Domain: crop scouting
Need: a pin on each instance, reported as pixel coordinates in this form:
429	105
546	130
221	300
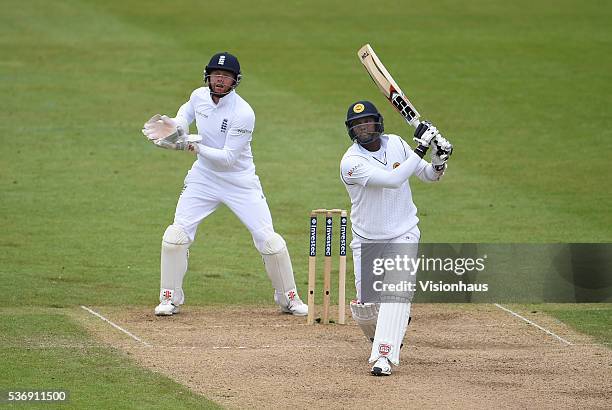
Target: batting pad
366	316
390	330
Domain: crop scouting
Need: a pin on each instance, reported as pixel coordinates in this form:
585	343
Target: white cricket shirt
378	212
226	129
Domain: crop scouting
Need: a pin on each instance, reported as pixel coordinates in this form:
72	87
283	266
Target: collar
383	147
381	154
223	100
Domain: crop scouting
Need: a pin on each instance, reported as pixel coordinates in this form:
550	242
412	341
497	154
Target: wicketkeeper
223	173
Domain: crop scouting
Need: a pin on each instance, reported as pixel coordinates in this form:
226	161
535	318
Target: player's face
364	128
221	81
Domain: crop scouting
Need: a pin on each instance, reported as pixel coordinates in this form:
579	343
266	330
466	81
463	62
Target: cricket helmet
362	109
223	61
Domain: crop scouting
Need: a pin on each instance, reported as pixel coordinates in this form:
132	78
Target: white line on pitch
250	325
534	324
116	326
347	345
261	347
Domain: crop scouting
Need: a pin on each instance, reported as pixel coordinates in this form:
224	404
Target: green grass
592	319
523	91
44	349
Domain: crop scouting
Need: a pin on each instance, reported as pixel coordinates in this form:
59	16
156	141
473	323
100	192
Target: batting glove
423	136
425	133
440	153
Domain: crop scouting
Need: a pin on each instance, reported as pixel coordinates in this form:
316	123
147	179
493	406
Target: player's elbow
230	159
436	176
430	175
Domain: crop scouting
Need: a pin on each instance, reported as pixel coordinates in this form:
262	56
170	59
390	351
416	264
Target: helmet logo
221	60
358	108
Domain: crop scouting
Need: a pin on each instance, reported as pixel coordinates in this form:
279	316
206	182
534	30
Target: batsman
223	173
375	171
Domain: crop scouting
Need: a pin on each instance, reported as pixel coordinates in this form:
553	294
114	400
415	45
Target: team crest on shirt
396	164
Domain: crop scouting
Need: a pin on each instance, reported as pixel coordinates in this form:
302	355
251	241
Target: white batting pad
390	330
366	316
174	252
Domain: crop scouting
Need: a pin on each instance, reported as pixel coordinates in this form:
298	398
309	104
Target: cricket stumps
327	265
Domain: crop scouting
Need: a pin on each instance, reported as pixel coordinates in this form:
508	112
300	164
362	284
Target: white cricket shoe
296	308
166	307
291	304
382	367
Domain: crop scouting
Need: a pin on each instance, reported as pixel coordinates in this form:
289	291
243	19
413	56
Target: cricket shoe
382	367
291	304
166	307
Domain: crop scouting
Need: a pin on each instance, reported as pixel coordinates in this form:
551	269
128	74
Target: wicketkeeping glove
165	133
159	127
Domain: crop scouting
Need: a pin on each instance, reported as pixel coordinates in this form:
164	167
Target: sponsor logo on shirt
201	114
244	131
352	170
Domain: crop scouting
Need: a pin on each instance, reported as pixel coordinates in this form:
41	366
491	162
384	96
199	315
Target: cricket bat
387	85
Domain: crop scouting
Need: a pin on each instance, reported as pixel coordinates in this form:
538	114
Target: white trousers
205	190
411	236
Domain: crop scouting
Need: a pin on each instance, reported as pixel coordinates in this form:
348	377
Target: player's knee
175	237
272	244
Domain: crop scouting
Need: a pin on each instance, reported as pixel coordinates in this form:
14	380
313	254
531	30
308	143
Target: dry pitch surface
475	356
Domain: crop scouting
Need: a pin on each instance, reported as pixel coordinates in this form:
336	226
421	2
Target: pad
366	315
278	263
393	319
174	253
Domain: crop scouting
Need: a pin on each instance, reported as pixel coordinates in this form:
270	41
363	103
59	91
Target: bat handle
414	122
